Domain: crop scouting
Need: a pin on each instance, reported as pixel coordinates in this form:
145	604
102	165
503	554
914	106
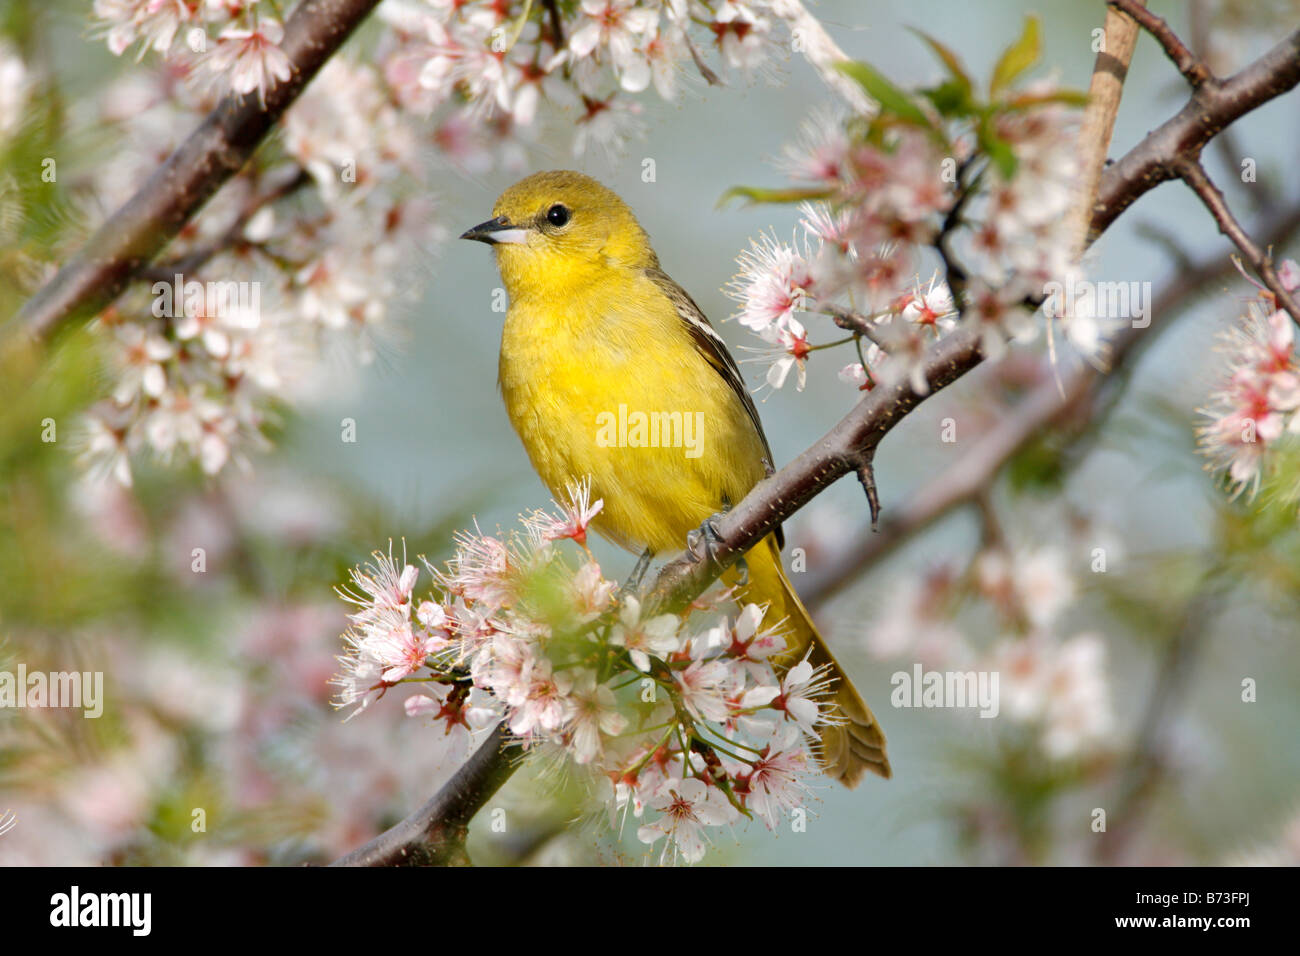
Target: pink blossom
401	651
592	592
251	60
594	712
576	515
774	784
802	688
643	638
773	283
1257	399
687	807
705	686
543	704
155	22
621	27
791	352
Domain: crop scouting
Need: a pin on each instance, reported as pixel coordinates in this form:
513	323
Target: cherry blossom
572	682
687	807
642	638
250	60
1256	401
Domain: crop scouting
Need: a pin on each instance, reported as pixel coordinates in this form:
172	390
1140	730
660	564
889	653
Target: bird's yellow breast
605	381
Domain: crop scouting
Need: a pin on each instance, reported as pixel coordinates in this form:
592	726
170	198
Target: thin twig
955	275
855	322
1189	64
1260	193
557	24
709	76
836	454
233	235
867	478
1194	175
1210	109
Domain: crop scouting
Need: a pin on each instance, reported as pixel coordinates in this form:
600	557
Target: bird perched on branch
596	332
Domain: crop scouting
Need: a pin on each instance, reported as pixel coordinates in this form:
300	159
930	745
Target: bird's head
561	227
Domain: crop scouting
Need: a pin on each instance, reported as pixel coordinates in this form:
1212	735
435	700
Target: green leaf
1025	101
1018	57
999	152
892	100
951	99
956	71
1037	467
756	194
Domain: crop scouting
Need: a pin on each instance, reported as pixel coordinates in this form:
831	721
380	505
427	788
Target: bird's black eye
558	215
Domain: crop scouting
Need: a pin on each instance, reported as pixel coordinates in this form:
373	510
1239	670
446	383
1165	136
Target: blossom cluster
237	716
488	63
1255	403
1056	686
686	729
984	192
299	254
236	42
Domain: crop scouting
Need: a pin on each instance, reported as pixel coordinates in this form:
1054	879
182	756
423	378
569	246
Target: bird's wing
713	349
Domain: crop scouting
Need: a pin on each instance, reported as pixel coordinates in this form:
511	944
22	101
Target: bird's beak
496	231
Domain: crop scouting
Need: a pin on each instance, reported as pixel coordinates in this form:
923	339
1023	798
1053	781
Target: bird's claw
704	541
634	579
742	568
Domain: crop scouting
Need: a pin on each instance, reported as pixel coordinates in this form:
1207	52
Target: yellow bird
599	347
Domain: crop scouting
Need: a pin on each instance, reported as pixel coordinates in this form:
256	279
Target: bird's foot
705	540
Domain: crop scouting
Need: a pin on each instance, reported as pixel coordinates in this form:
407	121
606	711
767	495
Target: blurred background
216	694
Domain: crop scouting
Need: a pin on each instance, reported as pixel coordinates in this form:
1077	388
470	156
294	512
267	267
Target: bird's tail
854	744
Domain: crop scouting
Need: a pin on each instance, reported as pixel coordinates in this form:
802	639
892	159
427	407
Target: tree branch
839	452
1261	192
1188	63
233	236
219	148
557	25
1215	105
1046	404
1194	175
434	835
